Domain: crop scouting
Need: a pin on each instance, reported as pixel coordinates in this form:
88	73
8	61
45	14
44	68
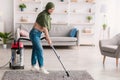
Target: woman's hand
49	41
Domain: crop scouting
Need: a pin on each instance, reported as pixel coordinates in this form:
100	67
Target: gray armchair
110	48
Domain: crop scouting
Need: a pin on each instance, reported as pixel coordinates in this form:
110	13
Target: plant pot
62	0
22	9
89	1
36	9
89	21
104	28
4	46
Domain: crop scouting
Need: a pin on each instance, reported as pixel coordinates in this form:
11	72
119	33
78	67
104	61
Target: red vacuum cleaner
17	54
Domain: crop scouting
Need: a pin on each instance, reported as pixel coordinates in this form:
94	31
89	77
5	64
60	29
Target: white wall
116	28
6	8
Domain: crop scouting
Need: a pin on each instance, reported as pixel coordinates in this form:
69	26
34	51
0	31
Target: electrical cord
5	64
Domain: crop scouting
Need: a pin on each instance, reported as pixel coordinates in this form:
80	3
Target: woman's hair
49	6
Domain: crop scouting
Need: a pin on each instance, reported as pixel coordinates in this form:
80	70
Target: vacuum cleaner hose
5	64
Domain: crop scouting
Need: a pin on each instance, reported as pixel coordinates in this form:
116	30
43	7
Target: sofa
60	36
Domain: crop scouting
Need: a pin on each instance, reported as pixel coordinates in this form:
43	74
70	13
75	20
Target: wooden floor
74	58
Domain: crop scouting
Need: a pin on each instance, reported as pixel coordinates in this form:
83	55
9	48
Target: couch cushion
116	39
61	31
62	39
24	33
109	48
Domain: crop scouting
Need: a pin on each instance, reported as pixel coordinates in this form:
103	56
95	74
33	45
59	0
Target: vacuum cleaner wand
59	60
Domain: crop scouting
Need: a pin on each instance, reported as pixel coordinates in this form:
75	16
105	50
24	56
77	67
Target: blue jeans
37	49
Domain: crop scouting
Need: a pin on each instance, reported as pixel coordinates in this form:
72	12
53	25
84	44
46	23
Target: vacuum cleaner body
17	56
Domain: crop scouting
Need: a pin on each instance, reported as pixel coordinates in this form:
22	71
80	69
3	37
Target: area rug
54	75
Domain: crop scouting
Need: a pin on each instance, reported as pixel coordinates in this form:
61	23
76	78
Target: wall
116	28
6	6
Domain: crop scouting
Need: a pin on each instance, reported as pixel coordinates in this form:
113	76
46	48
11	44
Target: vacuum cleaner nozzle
67	74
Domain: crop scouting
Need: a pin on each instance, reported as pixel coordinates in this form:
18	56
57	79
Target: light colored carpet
54	75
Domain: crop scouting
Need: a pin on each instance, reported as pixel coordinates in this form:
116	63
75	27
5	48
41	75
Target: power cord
1	67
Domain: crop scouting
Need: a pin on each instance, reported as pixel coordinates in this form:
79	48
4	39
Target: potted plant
22	6
5	38
89	1
36	9
89	18
104	26
62	0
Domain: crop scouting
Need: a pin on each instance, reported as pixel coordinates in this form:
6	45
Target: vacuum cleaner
17	54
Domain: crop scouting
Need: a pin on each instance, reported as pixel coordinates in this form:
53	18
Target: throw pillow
73	32
24	33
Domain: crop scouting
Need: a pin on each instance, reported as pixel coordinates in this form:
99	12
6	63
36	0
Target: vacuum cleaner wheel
15	67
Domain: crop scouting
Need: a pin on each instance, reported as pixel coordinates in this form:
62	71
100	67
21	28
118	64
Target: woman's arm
45	30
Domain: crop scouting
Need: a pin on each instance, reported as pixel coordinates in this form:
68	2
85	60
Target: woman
42	24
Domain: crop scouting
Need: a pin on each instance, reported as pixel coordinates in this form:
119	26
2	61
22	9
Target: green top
44	19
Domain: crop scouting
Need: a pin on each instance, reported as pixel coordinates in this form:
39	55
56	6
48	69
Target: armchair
110	48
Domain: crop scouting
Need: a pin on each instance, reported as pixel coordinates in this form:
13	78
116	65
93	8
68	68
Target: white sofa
58	34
